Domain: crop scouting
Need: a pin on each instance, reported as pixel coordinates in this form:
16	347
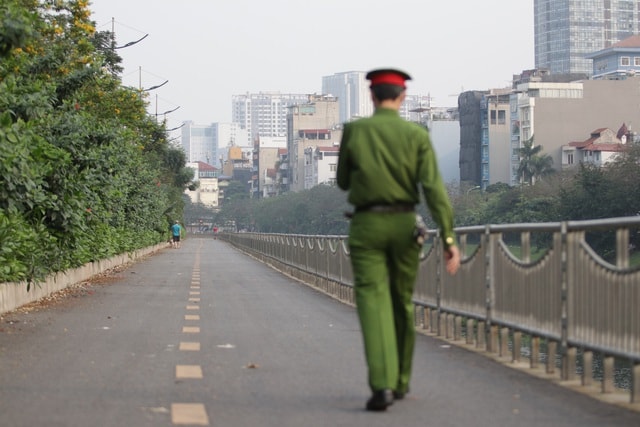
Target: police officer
384	162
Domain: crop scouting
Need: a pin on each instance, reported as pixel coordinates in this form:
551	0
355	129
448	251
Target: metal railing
565	295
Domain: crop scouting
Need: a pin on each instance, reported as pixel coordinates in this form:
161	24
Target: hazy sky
210	50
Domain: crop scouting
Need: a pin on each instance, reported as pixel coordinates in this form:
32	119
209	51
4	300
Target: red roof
633	41
202	166
605	147
592	143
582	144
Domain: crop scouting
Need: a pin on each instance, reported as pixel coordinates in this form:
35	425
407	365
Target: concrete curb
14	295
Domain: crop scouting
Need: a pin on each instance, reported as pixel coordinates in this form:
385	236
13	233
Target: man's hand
452	258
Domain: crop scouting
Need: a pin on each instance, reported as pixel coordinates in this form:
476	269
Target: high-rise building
204	143
264	113
199	142
351	88
568	30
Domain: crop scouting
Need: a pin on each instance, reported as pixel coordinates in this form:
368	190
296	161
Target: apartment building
315	123
264	114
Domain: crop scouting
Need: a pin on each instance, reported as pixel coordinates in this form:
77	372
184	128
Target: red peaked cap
388	76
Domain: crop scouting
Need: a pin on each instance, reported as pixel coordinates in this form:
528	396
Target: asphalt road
204	335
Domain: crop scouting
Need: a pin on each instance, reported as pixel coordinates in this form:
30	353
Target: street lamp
177	127
154	87
113	37
131	43
477	187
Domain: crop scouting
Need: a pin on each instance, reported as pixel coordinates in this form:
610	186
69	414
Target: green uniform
385	160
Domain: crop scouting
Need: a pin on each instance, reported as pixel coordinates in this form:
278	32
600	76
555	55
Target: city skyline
210	52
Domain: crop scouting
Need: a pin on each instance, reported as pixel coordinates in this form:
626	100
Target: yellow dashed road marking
193	307
194	299
189	413
194	293
188	371
191	317
189	346
191	329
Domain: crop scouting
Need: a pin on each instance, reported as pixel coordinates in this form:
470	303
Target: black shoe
399	395
380	400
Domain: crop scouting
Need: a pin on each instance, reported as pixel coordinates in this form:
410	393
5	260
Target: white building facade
208	190
199	142
321	165
264	114
602	147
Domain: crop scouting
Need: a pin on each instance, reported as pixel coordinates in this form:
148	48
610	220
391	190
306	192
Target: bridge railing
520	287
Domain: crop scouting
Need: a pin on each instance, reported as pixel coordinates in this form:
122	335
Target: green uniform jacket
384	159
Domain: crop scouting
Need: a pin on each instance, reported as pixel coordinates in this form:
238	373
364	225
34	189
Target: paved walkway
204	335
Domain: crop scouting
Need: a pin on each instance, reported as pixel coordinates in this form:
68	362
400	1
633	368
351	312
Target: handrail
567	295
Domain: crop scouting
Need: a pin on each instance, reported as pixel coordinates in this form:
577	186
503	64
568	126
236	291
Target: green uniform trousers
385	258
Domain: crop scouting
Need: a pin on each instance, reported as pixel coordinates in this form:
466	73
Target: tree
533	166
85	172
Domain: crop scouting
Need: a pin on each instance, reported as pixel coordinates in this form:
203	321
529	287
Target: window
333	167
625	61
493	117
570	159
636	61
502	117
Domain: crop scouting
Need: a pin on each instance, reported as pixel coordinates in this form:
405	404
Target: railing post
587	368
516	351
622	248
525	245
439	257
470	324
489	297
568	365
608	372
635	382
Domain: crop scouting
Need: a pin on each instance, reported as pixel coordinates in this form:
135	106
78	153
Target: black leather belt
398	208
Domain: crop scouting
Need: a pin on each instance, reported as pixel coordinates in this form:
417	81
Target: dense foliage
319	210
85	172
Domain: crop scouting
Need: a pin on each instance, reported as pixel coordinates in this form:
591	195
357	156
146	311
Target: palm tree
542	166
532	165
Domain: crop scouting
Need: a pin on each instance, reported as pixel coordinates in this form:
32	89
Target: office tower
567	30
209	143
351	88
199	142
